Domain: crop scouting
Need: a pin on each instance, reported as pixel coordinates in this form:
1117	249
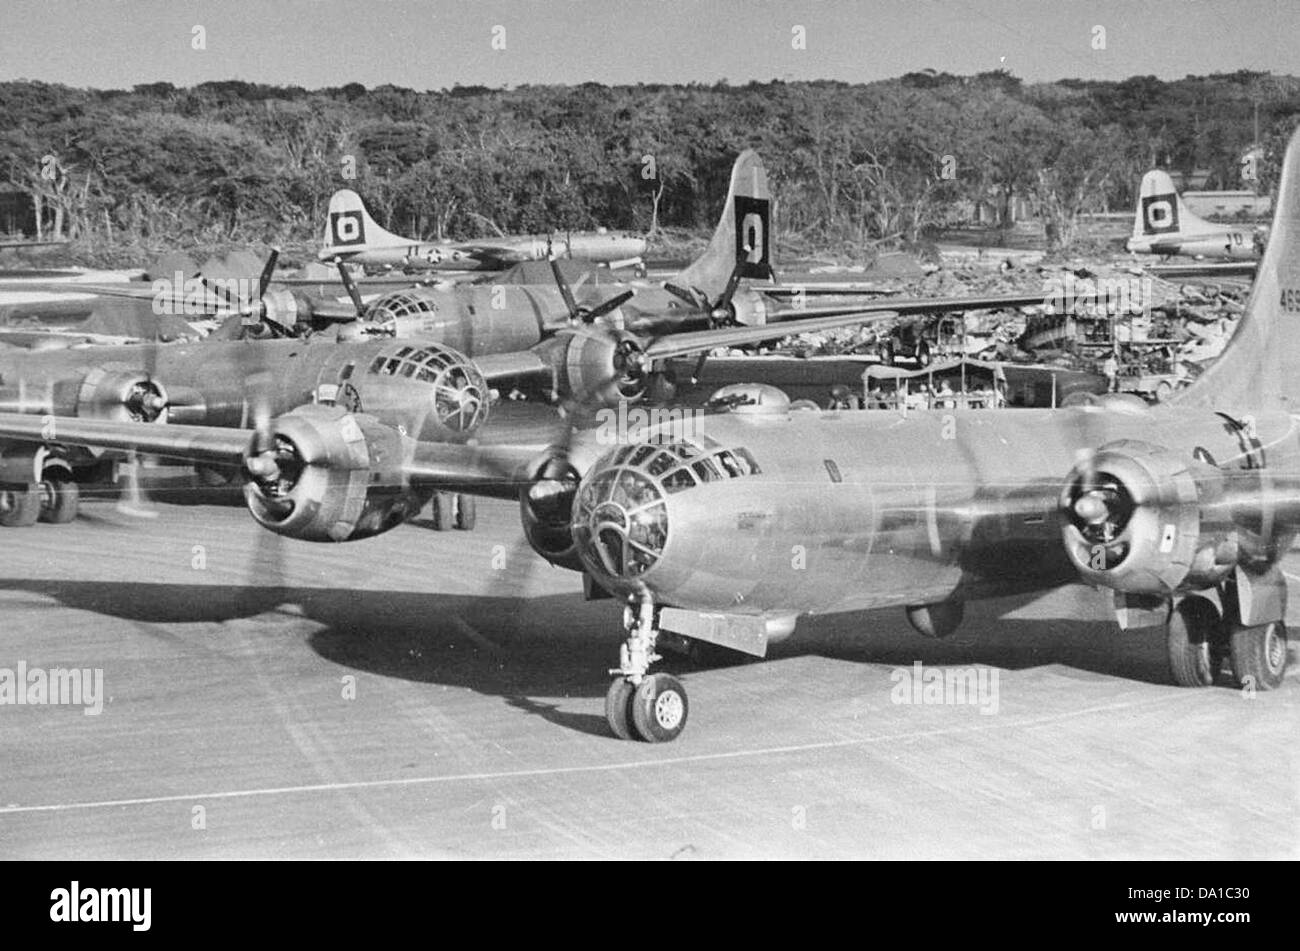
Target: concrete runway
442	695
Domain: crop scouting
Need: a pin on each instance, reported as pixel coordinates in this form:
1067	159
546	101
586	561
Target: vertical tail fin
1260	368
1161	211
349	227
743	236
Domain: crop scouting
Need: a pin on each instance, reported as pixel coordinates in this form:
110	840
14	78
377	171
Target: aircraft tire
1195	641
466	513
441	509
62	499
1259	655
618	708
659	708
20	504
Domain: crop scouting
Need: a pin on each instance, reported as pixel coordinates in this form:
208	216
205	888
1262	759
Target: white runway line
596	768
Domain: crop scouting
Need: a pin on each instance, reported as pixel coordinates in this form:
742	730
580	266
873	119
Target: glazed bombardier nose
620	520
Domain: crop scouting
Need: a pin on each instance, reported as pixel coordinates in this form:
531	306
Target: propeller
273	466
579	313
1100	507
719	311
255	314
147	404
267	456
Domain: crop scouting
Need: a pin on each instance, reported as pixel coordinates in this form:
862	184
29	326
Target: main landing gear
641	705
1200	639
453	510
55	499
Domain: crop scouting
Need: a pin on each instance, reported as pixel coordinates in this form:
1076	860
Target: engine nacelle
115	393
603	366
546	511
328	475
1132	521
106	393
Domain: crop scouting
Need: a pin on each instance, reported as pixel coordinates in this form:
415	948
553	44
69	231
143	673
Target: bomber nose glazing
620	519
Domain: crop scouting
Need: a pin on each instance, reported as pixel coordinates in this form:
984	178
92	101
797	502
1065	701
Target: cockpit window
737	463
682	464
730	465
679	480
640	455
422	363
707	471
660	464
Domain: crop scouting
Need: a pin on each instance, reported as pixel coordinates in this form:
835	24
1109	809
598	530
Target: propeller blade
267	272
722	307
699	367
350	286
606	307
683	295
133	502
258	386
565	292
223	294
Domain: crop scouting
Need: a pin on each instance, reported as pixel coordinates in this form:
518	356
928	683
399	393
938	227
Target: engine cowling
326	475
121	394
1132	521
126	395
604	366
546	510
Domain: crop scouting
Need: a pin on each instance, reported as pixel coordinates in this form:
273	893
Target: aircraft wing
676	345
942	305
132	290
494	471
824	290
184	443
914	305
498	471
326	308
56	338
1211	269
499	366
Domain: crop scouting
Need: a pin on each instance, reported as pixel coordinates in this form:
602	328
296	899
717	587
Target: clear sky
432	44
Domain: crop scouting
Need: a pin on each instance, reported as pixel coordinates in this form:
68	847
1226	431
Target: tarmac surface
430	694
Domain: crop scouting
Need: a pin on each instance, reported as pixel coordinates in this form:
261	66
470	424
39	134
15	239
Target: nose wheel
640	705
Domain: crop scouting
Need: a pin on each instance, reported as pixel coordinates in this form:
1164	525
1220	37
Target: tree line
158	166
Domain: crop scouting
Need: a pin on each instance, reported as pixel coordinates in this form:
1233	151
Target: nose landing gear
641	705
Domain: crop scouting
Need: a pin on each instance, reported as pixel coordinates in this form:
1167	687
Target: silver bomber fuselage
865	509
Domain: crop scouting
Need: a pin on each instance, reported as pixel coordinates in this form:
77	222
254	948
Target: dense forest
157	166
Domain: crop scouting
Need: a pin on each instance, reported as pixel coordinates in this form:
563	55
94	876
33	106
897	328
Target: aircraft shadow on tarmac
558	646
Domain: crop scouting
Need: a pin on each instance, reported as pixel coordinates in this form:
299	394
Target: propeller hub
263	467
1092	508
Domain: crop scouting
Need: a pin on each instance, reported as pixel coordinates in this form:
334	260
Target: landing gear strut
641	705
